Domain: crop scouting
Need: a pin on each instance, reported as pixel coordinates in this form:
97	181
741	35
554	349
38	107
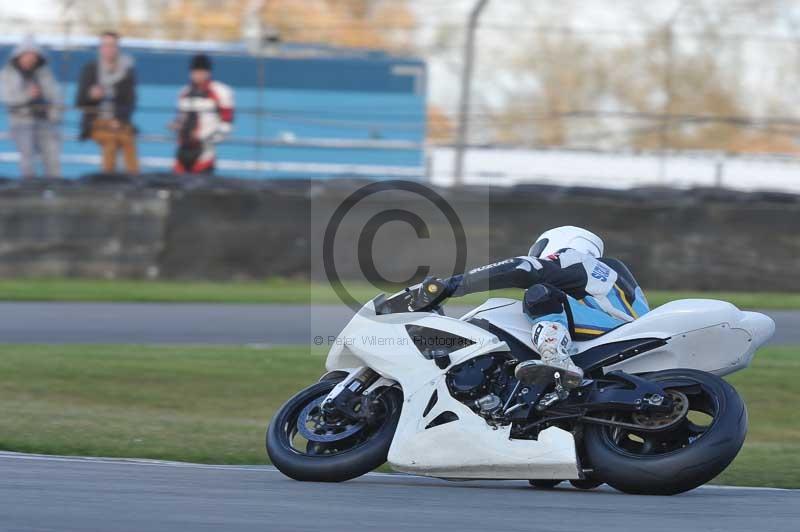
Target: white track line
260	469
145	461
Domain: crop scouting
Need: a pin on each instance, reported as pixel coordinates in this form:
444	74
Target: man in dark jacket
107	95
33	97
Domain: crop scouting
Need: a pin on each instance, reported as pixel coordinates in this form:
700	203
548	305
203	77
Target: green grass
199	404
211	404
290	291
771	454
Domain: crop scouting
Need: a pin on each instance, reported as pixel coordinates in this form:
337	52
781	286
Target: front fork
352	397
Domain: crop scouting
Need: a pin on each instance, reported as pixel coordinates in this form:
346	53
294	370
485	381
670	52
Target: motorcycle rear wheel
586	484
682	457
360	449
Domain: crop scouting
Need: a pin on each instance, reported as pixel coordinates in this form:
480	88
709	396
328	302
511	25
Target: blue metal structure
302	110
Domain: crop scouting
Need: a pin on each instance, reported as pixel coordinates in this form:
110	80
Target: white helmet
555	240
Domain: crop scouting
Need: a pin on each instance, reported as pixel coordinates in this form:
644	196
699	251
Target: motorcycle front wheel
705	436
308	444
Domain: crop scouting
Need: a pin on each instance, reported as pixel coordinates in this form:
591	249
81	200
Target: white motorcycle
437	396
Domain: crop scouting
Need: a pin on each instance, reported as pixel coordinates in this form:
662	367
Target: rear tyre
585	484
306	446
685	455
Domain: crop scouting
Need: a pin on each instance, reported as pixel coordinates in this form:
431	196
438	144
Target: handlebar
426	296
431	293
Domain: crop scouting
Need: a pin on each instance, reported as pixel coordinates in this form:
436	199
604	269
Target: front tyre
306	444
544	483
687	454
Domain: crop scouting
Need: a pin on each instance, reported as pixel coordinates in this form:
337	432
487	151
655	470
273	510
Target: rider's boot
553	343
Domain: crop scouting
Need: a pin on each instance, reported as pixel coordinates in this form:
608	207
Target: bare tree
667	81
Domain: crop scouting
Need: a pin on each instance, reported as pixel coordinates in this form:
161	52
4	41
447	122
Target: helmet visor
538	247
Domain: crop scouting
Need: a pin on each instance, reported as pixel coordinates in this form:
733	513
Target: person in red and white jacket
205	118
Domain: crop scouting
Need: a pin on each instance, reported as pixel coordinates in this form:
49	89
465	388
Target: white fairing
707	335
470	448
466	448
703	334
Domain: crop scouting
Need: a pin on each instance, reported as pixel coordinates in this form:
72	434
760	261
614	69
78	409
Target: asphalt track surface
146	323
62	494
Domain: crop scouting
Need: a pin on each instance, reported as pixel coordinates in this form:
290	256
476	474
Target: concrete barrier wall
228	229
81	231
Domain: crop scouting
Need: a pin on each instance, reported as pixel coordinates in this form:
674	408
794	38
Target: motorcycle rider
571	292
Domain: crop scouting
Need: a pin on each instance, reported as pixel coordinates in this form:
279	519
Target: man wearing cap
205	117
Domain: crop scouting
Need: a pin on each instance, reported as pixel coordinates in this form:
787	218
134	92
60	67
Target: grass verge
289	291
211	404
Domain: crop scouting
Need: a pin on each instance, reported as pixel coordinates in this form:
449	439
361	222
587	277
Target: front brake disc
313	424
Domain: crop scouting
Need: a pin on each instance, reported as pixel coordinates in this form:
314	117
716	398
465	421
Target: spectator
107	95
205	118
33	97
